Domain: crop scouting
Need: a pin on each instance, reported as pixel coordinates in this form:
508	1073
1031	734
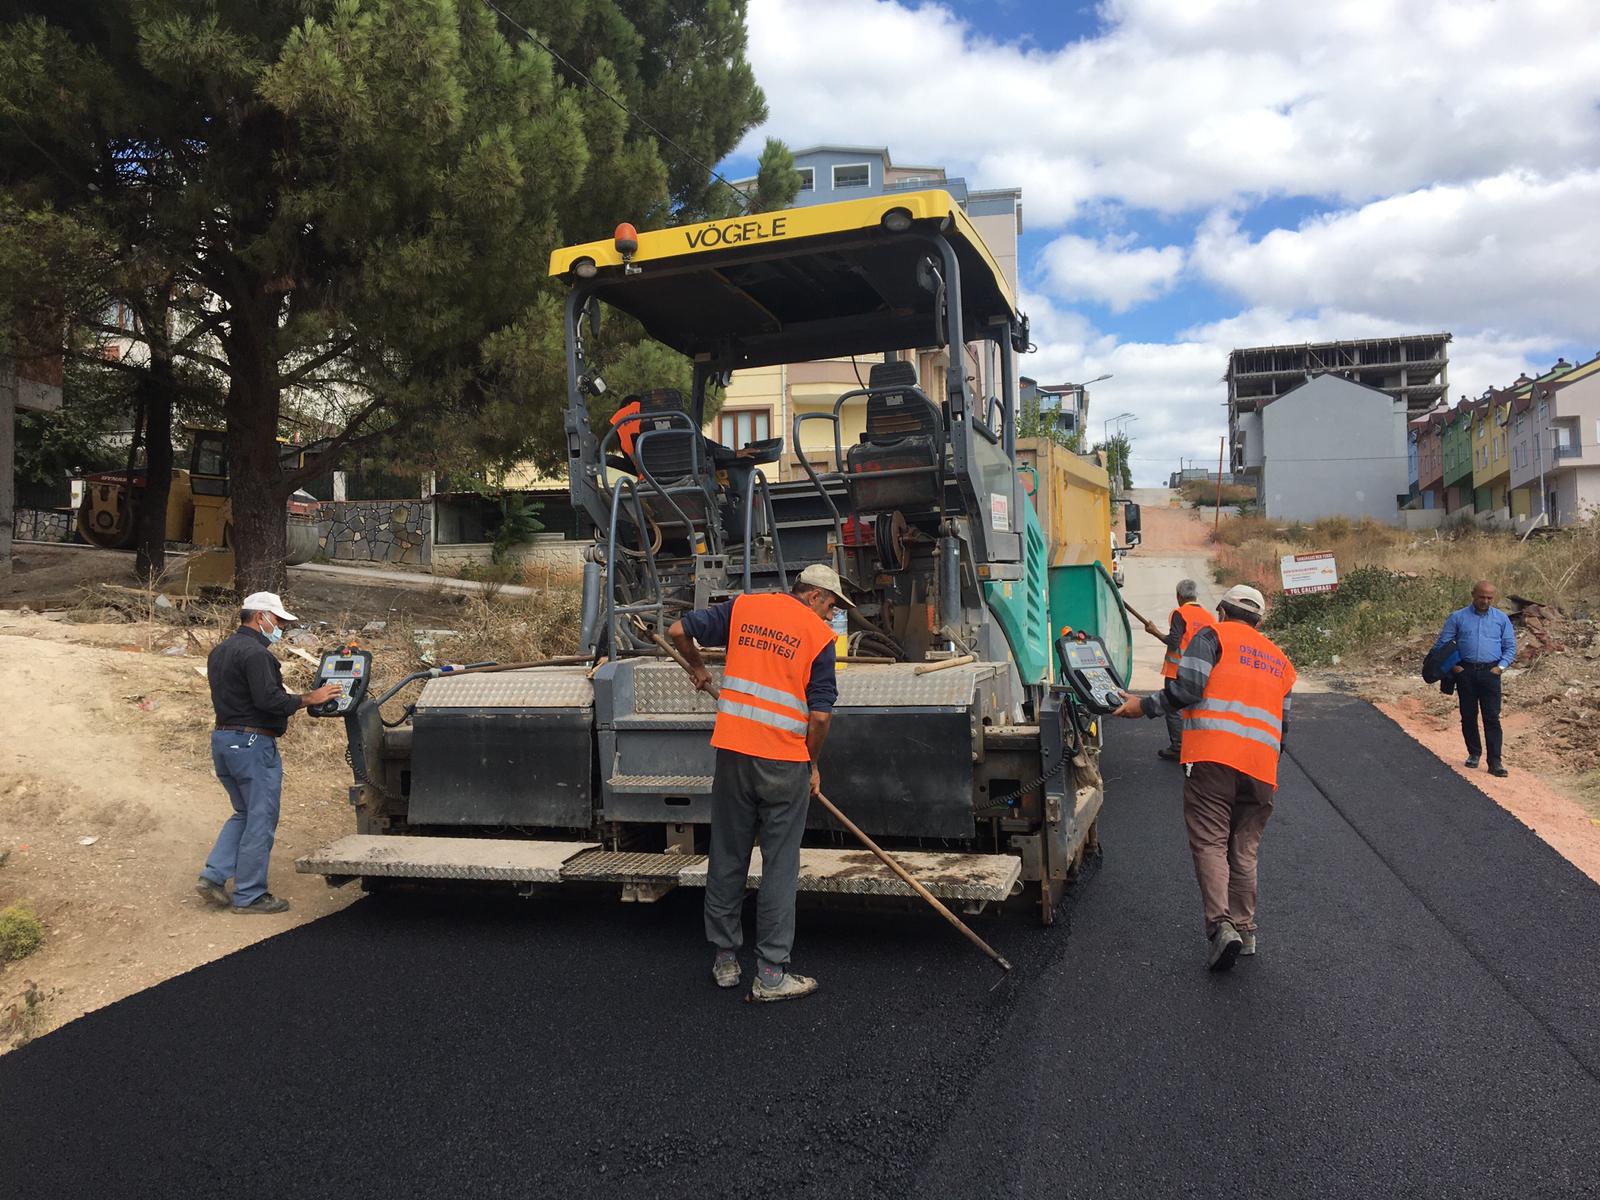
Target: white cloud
1176	387
1513	251
1185	103
1110	271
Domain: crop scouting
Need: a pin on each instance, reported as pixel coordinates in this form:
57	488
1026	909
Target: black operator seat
904	430
674	471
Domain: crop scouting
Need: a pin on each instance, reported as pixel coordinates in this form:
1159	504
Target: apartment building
1491	454
1331	447
1413	369
1456	455
1555	443
1425	453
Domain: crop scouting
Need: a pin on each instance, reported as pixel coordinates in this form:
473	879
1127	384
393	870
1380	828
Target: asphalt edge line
1455	934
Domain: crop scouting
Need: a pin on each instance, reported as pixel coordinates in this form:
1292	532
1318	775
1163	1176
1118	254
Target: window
808	179
1521	417
737	428
852	175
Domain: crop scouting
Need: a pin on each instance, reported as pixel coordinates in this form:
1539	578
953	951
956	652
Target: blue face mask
275	634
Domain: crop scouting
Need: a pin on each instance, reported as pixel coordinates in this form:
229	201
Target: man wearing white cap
773	710
1232	688
253	710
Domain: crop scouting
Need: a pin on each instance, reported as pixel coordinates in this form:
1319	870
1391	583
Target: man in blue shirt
1487	645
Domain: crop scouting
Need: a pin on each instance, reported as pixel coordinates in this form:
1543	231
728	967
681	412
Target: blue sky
1203	174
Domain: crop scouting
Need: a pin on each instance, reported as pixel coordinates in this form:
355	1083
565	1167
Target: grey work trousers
753	797
1226	812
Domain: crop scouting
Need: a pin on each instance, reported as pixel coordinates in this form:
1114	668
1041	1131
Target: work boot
790	987
1498	771
1168	753
1247	943
265	905
725	969
1224	947
1472	762
213	893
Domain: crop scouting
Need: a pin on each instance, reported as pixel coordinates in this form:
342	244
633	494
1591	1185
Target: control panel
350	667
1088	670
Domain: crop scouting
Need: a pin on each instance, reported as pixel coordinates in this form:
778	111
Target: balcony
1569	451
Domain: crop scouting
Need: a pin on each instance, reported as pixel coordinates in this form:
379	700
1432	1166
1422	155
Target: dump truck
967	730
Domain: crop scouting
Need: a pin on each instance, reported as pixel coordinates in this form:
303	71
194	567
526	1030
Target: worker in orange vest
1187	619
1232	687
773	710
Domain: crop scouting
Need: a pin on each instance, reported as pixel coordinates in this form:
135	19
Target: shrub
1372	607
21	933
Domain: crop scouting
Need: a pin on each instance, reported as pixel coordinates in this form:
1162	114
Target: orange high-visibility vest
772	641
626	433
1195	619
1239	720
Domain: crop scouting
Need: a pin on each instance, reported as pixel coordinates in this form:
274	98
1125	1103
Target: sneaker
265	904
726	972
1168	753
1224	947
1498	771
1472	762
1247	943
790	987
213	893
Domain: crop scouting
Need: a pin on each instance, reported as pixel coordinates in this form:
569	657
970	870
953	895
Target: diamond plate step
409	857
677	785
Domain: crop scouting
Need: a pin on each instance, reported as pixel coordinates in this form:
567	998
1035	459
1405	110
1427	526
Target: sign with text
1306	573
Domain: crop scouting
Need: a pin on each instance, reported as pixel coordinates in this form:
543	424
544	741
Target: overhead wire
744	197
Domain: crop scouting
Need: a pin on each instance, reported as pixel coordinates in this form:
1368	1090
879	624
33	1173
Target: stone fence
395	531
42	525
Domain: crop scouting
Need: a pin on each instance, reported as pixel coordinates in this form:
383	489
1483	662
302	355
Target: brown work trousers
1226	812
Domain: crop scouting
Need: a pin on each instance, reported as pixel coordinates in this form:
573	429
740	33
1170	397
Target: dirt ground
108	803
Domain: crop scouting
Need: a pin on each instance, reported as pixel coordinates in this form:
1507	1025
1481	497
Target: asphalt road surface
1423	1020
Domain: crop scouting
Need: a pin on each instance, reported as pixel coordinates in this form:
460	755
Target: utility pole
1216	520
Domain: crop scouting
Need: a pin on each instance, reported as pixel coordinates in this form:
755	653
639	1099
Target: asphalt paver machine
963	737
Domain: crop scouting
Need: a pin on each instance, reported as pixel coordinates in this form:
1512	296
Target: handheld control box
1088	669
350	667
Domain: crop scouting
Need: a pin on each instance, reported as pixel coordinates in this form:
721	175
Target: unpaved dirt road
107	741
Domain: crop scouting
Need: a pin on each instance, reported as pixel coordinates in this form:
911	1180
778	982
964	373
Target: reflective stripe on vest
1239	721
773	639
1195	618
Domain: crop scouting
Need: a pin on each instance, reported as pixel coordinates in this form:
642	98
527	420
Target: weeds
21	932
1372	607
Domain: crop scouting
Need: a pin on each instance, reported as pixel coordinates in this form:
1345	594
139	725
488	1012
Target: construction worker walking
776	701
1232	686
1187	619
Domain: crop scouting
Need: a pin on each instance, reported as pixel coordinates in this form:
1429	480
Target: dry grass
1202	493
1562	570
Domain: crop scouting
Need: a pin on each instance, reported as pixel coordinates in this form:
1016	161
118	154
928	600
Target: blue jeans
250	769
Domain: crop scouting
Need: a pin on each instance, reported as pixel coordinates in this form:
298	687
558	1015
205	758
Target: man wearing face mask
253	710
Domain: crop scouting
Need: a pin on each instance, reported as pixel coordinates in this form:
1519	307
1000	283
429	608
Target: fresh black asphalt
1423	1020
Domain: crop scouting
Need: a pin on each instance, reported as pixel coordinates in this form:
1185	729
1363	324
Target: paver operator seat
904	430
677	483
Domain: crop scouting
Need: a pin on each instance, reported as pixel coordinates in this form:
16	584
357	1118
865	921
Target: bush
1372	608
21	933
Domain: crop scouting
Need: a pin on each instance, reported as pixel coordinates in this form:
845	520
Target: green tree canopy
345	208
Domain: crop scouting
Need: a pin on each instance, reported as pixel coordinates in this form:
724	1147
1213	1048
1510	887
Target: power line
744	199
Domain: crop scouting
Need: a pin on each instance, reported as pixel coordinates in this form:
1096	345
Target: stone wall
394	531
42	525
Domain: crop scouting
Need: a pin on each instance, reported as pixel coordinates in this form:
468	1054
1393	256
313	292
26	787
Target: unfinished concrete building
1413	369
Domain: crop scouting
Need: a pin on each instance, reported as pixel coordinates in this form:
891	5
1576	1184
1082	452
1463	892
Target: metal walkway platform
990	877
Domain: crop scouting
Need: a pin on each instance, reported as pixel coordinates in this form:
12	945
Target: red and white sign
1306	573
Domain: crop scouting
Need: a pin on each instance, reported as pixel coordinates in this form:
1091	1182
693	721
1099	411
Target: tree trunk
155	392
255	484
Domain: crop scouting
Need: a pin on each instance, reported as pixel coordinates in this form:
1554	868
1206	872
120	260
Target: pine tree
344	208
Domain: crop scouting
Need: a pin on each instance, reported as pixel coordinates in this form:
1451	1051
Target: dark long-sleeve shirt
1481	637
711	626
247	684
1194	672
1176	628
